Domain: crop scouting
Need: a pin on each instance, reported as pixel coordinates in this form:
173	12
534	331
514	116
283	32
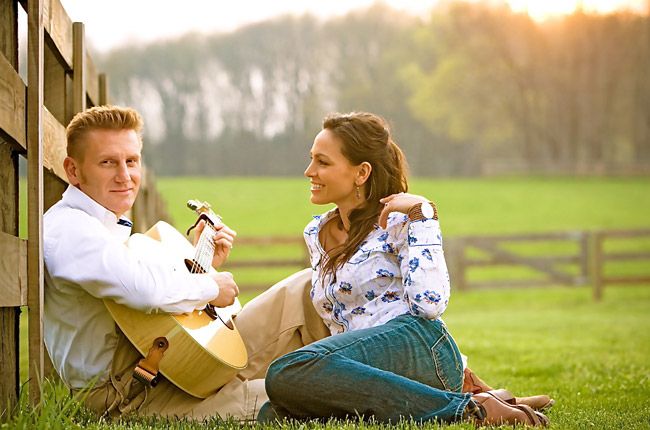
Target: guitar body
203	354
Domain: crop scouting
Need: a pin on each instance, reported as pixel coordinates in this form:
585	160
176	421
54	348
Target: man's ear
363	173
71	170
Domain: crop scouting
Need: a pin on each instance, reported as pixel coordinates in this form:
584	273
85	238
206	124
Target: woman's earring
358	193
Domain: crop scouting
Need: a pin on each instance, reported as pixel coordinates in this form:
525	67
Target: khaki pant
280	320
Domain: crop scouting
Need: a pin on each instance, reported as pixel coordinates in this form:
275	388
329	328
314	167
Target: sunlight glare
540	10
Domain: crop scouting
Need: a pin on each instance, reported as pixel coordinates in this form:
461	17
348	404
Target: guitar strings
204	254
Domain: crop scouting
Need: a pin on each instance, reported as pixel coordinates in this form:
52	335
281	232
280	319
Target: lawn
592	357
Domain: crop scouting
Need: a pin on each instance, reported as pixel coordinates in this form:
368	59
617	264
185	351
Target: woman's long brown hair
366	137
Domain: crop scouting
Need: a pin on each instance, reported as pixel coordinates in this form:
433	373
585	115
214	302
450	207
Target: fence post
35	67
9	316
596	263
457	263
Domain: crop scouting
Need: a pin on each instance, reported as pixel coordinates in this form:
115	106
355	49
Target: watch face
427	210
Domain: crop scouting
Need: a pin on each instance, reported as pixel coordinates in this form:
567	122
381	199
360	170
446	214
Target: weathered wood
13	271
625	234
9	316
9	31
53	189
596	264
509	257
92	81
79	68
55	86
265	263
103	89
12	103
627	256
495	261
35	65
626	280
540	237
58	25
514	283
54	151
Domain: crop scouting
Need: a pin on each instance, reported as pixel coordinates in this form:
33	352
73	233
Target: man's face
108	168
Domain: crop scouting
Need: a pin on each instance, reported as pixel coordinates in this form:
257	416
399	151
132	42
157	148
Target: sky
109	24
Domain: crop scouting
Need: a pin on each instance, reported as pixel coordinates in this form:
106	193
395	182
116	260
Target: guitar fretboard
204	250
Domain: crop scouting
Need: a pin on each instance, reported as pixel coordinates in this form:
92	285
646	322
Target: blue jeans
409	367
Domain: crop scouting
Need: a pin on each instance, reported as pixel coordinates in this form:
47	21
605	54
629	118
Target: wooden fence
573	258
61	81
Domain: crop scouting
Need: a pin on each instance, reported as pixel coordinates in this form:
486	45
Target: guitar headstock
204	210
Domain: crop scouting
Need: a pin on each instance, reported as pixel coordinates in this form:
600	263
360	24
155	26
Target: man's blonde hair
100	118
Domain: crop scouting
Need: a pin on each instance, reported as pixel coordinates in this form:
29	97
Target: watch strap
415	213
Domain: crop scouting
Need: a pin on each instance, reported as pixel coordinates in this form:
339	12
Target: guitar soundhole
193	266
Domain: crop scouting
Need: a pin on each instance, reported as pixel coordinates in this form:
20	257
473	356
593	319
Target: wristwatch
423	211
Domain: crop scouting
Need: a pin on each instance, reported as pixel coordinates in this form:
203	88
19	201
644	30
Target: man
87	261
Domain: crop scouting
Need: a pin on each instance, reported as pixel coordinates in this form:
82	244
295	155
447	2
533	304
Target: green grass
281	207
591	357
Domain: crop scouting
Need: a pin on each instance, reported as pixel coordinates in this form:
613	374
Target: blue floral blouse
396	270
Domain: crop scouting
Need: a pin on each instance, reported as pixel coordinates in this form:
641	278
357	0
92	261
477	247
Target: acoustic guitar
204	349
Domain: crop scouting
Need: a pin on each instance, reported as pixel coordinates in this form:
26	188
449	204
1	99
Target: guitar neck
204	251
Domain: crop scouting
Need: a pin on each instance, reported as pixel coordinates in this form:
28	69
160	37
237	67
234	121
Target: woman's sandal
540	402
498	412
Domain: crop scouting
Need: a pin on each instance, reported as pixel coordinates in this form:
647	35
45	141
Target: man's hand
228	289
223	241
401	202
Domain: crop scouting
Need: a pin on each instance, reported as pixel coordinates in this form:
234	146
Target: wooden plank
13	271
627	280
265	263
12	103
54	151
53	189
624	234
9	31
509	257
92	81
55	86
103	89
10	316
79	68
541	237
596	264
35	65
627	256
58	25
271	240
513	283
548	259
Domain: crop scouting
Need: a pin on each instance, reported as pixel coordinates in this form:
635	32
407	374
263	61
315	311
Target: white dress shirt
394	271
86	260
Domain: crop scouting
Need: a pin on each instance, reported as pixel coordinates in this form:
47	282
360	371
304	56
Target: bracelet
415	213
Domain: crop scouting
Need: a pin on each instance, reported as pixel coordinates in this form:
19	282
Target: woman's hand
223	241
401	202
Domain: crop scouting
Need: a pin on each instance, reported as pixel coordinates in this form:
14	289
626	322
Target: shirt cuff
425	233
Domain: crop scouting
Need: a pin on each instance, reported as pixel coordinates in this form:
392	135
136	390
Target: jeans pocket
448	363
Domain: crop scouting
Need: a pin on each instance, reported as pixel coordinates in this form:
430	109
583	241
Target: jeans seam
410	323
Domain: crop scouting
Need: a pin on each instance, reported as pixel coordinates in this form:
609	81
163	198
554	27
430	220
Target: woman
380	283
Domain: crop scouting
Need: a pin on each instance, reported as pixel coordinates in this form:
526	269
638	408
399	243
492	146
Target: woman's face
331	175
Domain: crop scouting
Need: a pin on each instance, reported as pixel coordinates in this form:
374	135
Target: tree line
471	90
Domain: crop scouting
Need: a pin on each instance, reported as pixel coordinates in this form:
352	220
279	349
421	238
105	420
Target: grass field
592	357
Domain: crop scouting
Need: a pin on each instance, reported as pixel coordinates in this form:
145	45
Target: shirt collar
77	199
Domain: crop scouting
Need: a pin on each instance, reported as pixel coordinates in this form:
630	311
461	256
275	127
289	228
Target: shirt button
118	378
126	401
